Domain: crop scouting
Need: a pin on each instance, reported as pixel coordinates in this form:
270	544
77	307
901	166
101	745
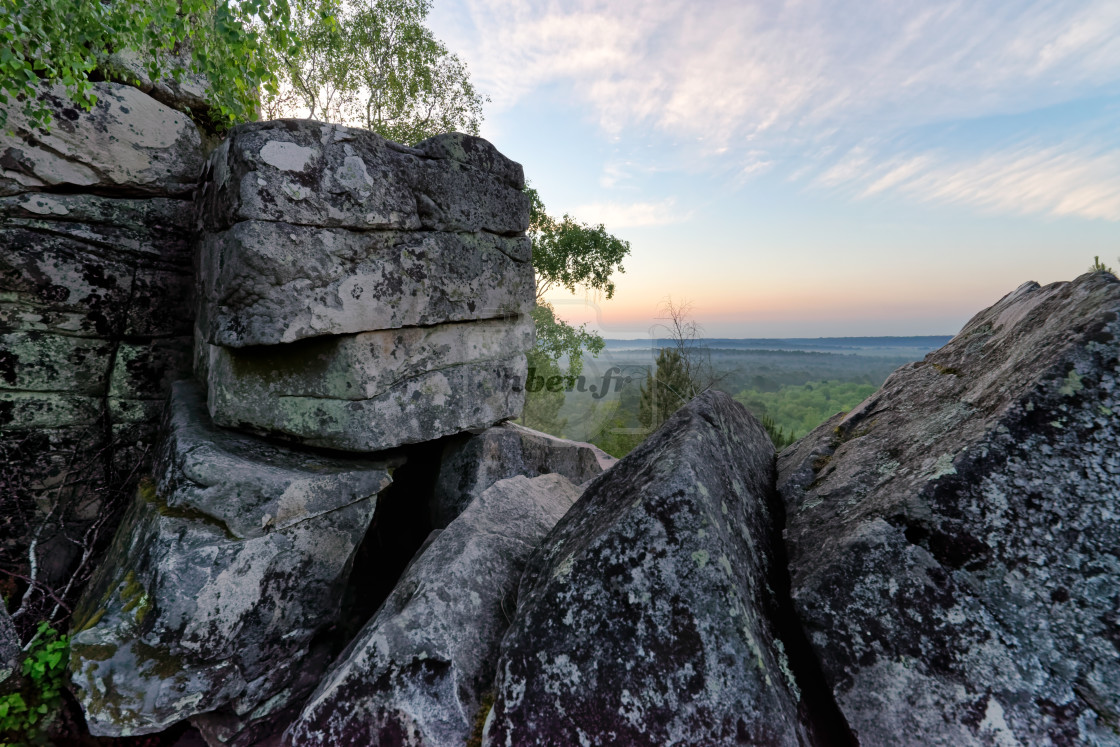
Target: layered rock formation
648	617
96	310
326	248
417	672
226	568
953	540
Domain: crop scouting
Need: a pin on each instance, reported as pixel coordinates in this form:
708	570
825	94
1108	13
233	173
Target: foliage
64	41
796	410
373	64
572	255
777	434
542	402
25	714
666	389
1099	266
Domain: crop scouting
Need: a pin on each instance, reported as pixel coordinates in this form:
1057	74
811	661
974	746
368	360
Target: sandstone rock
646	617
417	672
471	464
267	283
953	539
323	391
219	578
311	173
128	143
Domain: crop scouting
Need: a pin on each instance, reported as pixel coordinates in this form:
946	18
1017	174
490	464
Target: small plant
1099	266
25	714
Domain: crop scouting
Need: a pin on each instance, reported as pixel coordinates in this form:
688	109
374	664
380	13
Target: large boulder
360	392
953	540
220	577
472	463
128	144
418	671
648	616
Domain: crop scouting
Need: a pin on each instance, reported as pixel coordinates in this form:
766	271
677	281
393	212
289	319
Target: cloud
632	215
1027	178
732	72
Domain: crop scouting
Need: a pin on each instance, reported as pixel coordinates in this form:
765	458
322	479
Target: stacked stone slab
357	294
227	568
96	308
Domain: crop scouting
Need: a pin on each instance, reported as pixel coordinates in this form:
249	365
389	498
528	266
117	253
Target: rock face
471	464
128	143
953	540
218	581
9	648
401	276
96	310
647	616
417	672
375	390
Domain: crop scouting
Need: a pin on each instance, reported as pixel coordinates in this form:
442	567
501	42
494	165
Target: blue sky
811	167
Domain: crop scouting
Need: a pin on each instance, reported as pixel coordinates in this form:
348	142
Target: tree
373	64
574	256
666	389
571	255
65	41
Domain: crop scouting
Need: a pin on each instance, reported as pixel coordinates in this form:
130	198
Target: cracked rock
953	540
417	672
219	578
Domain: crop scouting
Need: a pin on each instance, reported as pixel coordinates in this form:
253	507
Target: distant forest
796	383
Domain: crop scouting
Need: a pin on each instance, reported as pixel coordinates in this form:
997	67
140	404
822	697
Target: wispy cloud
1026	178
631	215
732	71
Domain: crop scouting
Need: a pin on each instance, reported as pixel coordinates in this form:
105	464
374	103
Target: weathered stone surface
311	173
322	391
96	314
219	578
953	540
190	93
646	618
473	463
424	407
268	283
417	672
9	647
129	143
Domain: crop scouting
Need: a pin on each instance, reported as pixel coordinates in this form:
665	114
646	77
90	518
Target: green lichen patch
164	664
148	493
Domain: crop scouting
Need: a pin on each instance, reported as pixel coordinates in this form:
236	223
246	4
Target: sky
810	167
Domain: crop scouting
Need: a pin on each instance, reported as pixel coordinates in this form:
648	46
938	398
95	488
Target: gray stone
953	540
311	173
323	391
267	283
418	670
190	92
646	617
9	648
218	580
471	464
128	143
424	407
